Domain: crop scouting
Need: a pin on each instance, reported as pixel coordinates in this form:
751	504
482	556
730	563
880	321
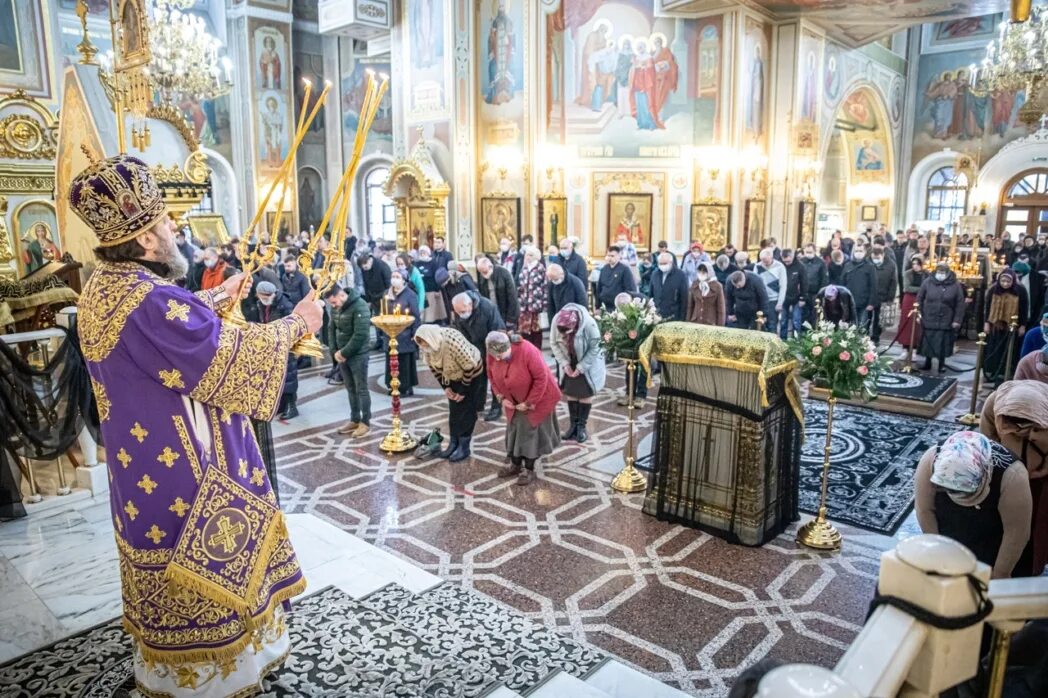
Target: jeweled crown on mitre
119	198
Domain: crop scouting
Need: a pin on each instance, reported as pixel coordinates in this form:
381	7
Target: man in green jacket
348	340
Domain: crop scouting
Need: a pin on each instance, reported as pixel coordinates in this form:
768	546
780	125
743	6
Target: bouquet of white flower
841	359
624	329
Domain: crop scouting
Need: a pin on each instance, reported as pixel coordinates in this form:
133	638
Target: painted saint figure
755	102
867	158
642	88
40	249
809	101
667	75
623	69
630	225
269	65
500	57
596	41
273	132
603	64
424	34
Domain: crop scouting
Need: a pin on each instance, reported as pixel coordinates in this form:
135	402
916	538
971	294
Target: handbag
429	445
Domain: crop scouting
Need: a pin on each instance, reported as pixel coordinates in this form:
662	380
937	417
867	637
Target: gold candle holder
629	479
820	533
972	418
397	440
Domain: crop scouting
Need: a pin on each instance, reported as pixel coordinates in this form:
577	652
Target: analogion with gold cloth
728	431
205	560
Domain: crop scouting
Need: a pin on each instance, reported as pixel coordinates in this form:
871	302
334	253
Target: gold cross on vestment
131	509
172	379
147	484
179	507
139	433
168	457
257	475
124	457
155	534
177	311
242	468
226	536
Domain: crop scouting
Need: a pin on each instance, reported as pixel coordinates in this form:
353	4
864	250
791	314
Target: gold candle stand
1013	328
820	533
915	316
760	321
396	441
972	418
629	479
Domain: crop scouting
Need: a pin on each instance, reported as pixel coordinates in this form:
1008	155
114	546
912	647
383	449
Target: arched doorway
858	167
1024	205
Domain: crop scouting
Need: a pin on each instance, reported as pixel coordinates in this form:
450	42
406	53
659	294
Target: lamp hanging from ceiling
1017	59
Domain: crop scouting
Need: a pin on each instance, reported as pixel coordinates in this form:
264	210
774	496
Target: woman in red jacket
529	395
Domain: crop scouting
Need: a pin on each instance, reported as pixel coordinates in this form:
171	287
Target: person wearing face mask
942	312
216	270
475	317
533	289
816	278
1016	416
706	304
912	280
572	261
645	268
413	279
496	284
629	253
773	275
724	267
887	287
271	305
402	296
976	492
456	365
507	253
1035	339
574	340
669	290
452	281
195	275
529	396
860	277
552	255
563	289
433	309
1005	299
690	264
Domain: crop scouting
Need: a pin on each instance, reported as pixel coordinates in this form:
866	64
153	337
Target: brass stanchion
972	418
820	533
1002	641
818	311
396	441
63	487
630	479
760	321
34	492
1013	328
915	316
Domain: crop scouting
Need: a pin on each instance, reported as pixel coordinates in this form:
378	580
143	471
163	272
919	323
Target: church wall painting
309	66
952	115
354	85
500	218
705	62
425	46
832	75
630	214
271	77
310	198
24	50
36	236
958	34
808	98
755	76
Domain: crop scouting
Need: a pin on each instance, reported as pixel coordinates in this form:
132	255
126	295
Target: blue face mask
1021	268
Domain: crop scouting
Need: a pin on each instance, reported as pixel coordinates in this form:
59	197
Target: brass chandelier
1018	59
187	63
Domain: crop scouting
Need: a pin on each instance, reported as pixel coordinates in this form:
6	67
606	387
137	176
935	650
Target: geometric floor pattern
567	552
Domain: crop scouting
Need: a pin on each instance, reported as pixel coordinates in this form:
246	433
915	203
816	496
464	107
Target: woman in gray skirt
529	395
575	341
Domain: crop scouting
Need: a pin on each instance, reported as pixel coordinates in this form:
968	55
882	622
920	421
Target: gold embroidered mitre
119	198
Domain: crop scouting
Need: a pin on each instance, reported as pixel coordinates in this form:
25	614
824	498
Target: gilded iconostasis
558	118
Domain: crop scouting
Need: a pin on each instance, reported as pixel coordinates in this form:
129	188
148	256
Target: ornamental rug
444	643
872	463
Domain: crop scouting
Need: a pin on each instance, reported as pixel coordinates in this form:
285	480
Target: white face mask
557	282
465	315
504	247
665	267
940	276
877	261
266	301
858	256
397	284
210	263
809	255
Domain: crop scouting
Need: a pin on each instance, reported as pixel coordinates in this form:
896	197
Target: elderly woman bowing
457	367
575	341
529	395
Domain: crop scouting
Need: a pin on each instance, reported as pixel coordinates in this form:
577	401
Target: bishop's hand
310	310
233	289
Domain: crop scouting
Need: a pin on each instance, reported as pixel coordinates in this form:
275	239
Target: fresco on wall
309	66
501	39
808	84
425	48
270	67
705	61
831	76
950	114
354	84
754	93
210	122
958	34
866	136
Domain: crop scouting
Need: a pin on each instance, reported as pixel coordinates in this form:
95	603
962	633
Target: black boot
282	407
927	365
580	424
573	420
494	412
461	450
292	408
453	443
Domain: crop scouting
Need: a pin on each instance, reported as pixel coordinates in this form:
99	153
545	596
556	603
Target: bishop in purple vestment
205	561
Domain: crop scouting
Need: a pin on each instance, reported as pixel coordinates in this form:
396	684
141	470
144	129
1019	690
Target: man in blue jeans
350	327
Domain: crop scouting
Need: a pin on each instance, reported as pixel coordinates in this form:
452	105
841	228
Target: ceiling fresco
852	22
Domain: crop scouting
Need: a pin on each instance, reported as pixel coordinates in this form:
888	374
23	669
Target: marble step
377	656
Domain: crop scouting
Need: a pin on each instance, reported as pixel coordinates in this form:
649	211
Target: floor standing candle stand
972	418
629	478
396	441
820	533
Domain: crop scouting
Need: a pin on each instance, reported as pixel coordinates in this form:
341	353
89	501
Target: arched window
380	211
1024	205
947	196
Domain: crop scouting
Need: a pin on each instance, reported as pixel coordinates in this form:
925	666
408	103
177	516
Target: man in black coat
564	288
745	296
441	255
572	261
475	317
816	278
793	306
295	284
614	278
837	304
860	278
453	281
271	305
375	275
669	289
495	283
887	286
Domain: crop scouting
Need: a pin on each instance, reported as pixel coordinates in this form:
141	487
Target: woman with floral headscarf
977	492
456	365
533	289
706	305
574	340
1005	299
1016	416
529	394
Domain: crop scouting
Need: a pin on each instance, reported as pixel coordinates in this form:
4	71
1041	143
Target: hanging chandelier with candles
1017	59
187	61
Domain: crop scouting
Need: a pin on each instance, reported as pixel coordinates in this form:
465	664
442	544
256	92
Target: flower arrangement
841	359
624	329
